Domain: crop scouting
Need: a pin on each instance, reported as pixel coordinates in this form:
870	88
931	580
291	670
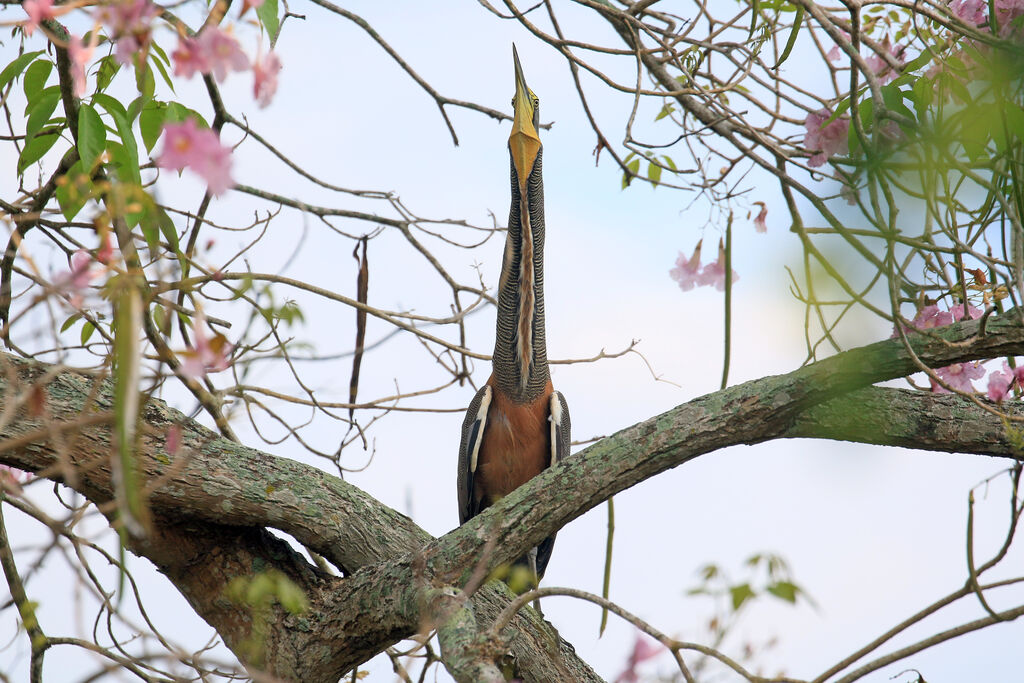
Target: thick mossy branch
216	484
212	500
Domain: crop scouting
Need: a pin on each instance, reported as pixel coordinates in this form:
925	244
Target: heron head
524	142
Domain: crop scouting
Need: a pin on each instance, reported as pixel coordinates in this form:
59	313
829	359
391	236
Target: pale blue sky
872	534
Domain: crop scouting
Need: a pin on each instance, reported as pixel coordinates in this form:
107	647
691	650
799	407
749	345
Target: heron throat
520	353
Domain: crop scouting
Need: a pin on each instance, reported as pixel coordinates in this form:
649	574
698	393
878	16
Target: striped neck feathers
520	350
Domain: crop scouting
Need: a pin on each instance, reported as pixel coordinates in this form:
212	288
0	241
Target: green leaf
41	109
128	313
163	72
168	230
35	149
35	77
1015	120
798	20
665	111
109	66
784	590
12	70
144	81
87	329
151	123
654	173
74	192
267	12
627	178
92	135
70	321
130	160
176	112
740	594
755	10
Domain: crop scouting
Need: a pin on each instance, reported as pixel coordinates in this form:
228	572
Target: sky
871	534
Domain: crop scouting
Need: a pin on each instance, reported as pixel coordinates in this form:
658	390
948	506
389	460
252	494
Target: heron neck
520	349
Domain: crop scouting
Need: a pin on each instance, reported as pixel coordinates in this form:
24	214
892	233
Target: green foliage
14	69
74	189
92	136
35	149
36	76
268	15
764	573
40	108
259	593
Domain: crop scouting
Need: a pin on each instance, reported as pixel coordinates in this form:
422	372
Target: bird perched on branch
517	424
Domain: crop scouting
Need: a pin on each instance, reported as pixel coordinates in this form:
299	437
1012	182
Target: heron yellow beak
524	143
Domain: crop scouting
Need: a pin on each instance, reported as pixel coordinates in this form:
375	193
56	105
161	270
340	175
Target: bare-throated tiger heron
517	424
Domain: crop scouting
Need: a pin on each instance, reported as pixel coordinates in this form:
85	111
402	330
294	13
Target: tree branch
211	485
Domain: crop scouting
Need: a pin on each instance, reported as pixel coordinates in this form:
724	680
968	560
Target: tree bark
213	499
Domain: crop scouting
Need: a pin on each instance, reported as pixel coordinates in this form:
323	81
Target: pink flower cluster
877	63
1002	381
206	355
217	52
73	283
12	477
643	649
689	273
37	11
828	139
961	376
975	13
880	66
129	24
186	145
211	51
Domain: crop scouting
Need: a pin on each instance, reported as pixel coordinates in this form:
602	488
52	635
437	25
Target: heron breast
516	445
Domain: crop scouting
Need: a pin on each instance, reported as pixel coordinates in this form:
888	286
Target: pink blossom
958	376
37	11
248	5
79	55
643	649
849	193
834	54
714	273
105	254
187	145
206	355
930	317
223	52
828	140
12	477
172	442
880	66
687	271
264	78
999	383
129	23
190	58
971	12
1006	12
73	283
957	312
759	224
212	51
